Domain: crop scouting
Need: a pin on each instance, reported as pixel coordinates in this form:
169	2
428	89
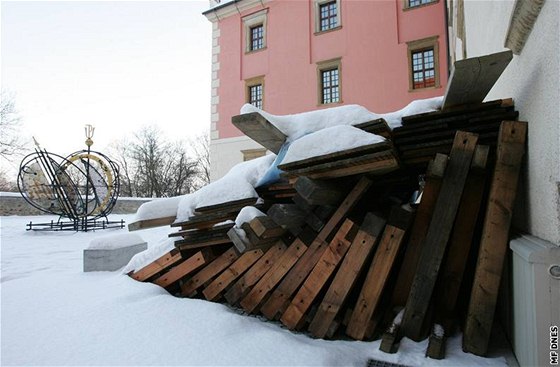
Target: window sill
330	104
424	89
420	6
255	51
318	33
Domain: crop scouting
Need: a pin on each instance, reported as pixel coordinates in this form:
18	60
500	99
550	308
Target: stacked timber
341	250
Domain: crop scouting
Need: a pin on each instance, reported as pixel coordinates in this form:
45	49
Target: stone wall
14	204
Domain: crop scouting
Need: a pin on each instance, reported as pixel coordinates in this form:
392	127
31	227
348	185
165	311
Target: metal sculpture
82	187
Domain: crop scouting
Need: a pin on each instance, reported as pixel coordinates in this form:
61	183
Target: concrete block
105	256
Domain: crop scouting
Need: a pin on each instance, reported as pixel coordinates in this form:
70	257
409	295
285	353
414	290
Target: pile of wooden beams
344	252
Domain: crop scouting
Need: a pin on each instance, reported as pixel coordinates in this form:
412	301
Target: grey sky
116	65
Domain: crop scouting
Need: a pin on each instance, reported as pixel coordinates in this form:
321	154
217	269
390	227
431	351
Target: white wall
226	153
532	79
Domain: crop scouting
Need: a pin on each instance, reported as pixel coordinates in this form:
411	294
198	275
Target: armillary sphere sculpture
82	187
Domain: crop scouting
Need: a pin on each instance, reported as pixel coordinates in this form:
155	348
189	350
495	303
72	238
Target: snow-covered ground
54	314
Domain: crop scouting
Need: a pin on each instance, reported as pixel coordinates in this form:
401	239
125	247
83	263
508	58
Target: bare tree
11	141
201	147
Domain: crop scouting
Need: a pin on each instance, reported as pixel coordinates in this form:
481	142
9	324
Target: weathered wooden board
206	221
419	229
377	127
281	295
438	234
209	272
471	79
378	273
289	216
258	128
318	277
266	228
150	223
244	262
495	235
345	278
160	264
459	245
316	192
254	274
226	206
202	234
331	157
374	164
191	245
251	302
183	269
239	241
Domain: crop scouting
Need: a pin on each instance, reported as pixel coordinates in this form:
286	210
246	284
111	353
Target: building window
255	95
329	86
257	37
255	91
423	63
255	31
327	15
416	3
423	71
249	154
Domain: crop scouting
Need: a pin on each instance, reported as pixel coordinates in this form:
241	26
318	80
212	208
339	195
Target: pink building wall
371	44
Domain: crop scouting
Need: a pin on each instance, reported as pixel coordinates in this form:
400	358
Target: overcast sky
115	65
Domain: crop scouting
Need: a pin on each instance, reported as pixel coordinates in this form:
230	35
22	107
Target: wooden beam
266	228
160	264
209	272
251	302
283	293
254	274
226	206
495	235
438	234
258	128
378	273
471	79
244	262
150	223
318	277
316	192
419	229
183	269
345	278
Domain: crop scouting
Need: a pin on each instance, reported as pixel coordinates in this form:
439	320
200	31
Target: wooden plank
335	156
378	273
239	241
258	128
251	302
449	283
265	228
279	298
471	79
419	229
320	274
495	232
190	245
375	163
243	263
150	223
160	264
202	234
377	127
226	206
206	220
316	192
436	344
209	272
289	216
438	234
345	278
254	240
254	274
183	269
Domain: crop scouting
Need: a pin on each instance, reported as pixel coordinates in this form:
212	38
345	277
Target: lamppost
89	129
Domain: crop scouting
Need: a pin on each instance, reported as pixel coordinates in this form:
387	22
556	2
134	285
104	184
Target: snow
115	241
239	183
10	194
329	140
55	314
247	214
439	331
158	208
298	125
